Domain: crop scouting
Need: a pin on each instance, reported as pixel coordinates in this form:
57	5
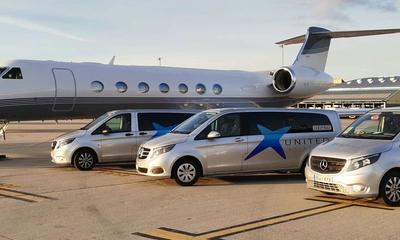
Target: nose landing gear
3	127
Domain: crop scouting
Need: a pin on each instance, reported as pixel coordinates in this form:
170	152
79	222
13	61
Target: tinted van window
119	123
147	120
309	122
298	122
228	126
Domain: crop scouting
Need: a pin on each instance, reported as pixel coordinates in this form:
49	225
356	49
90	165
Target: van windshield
94	122
193	122
374	125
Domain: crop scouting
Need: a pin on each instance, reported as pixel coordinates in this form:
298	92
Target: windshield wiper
176	131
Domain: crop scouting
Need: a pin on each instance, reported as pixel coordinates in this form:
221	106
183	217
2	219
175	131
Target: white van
363	161
114	136
237	140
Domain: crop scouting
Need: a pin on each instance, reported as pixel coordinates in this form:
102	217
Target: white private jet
51	90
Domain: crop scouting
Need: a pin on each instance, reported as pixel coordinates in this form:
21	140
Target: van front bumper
157	167
61	156
363	182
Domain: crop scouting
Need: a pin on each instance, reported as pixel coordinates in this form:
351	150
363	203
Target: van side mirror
213	134
105	132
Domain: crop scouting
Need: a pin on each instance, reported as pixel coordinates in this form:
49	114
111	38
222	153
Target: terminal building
374	92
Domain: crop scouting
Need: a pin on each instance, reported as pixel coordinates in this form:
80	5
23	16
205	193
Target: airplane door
65	89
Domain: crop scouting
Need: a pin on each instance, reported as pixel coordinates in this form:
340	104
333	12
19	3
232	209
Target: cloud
383	5
336	10
39	28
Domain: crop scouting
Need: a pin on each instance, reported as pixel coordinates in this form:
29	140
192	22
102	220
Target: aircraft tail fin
316	42
112	60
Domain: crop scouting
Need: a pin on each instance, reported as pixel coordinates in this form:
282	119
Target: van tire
389	189
186	172
85	159
303	168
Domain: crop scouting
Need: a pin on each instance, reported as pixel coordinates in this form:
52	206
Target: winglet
112	60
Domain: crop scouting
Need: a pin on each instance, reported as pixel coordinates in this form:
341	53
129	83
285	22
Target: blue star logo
271	139
162	130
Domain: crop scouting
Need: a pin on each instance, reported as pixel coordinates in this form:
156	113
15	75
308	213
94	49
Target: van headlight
363	161
161	150
65	142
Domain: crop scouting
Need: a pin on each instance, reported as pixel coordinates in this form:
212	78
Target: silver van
363	161
237	140
114	136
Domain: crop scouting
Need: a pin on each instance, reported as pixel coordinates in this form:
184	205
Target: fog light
157	170
359	188
60	159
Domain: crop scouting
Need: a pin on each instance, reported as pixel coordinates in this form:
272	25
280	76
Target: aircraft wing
339	34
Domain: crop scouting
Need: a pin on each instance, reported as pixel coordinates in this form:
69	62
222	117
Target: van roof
255	109
154	111
389	109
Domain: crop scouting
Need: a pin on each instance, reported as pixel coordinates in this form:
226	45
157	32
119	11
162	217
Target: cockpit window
13	73
2	70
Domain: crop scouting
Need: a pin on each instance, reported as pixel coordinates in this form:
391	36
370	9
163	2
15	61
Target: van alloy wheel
84	159
389	189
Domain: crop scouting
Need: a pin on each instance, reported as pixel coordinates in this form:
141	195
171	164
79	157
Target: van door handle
129	134
239	139
143	133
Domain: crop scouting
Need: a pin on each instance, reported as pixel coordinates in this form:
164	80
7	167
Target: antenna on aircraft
112	60
159	60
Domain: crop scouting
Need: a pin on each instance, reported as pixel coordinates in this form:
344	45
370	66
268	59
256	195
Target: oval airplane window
200	88
121	87
183	88
97	86
164	88
217	89
143	87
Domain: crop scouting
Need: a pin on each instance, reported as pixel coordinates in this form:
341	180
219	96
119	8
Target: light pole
282	54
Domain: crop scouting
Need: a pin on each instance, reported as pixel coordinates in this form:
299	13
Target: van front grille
327	165
327	186
53	145
143	153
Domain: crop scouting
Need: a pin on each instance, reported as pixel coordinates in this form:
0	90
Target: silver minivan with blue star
114	136
237	140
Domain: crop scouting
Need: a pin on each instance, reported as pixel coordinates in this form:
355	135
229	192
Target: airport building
374	92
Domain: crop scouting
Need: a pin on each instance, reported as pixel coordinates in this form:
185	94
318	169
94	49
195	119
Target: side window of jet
160	121
13	73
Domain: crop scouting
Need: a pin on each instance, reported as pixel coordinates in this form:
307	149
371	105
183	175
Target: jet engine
301	81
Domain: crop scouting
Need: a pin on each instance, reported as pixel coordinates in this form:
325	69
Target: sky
208	34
